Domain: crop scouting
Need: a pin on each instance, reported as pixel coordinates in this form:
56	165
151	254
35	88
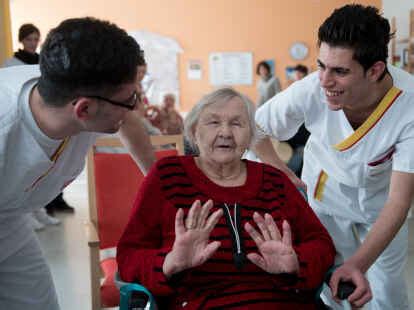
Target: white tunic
31	176
347	171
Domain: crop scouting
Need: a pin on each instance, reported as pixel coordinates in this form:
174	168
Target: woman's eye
212	122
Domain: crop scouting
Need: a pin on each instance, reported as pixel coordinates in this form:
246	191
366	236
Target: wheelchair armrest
133	295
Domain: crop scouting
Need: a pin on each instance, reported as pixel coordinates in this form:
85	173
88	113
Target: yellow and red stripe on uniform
320	186
53	158
370	122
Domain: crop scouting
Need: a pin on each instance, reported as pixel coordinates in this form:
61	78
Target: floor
67	253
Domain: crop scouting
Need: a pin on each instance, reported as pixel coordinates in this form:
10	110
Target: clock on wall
298	51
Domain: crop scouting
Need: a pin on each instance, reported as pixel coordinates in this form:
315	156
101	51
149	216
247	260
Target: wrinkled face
109	117
169	102
141	71
31	42
342	78
222	132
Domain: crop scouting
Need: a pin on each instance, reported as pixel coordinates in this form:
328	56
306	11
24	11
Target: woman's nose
225	130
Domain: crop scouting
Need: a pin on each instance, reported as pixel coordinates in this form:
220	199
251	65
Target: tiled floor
67	252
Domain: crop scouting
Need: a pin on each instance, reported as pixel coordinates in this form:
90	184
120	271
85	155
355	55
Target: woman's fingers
272	227
213	219
257	260
179	224
210	249
204	212
260	222
257	238
287	234
191	220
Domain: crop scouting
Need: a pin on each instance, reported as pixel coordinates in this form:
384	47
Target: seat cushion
109	291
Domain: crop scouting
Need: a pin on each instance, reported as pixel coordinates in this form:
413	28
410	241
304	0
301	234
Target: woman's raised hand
276	252
191	246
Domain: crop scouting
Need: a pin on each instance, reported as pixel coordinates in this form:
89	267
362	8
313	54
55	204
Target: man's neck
54	122
357	117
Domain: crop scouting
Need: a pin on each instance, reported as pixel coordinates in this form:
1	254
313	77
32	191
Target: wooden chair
113	181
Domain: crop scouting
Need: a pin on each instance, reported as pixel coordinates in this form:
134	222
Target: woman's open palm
191	246
276	254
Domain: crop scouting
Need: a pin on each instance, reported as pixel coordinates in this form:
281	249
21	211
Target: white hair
219	95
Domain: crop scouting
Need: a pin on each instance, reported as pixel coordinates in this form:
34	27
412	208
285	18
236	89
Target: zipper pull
239	260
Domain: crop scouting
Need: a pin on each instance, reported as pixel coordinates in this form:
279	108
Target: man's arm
135	138
265	151
389	221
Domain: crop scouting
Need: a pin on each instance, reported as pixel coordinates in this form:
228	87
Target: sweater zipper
233	226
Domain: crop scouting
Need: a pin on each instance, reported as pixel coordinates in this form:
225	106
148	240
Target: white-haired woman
215	231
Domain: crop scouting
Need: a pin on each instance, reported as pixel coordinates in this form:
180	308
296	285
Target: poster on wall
231	68
194	69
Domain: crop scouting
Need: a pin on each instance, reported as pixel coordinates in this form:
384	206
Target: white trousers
25	279
386	275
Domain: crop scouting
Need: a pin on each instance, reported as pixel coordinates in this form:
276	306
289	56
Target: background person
29	37
268	85
171	120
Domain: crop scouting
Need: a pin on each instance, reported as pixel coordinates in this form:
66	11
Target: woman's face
263	72
31	42
222	132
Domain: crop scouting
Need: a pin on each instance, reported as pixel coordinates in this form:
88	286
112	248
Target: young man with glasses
359	160
48	121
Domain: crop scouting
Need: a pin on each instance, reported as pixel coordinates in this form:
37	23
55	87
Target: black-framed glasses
130	103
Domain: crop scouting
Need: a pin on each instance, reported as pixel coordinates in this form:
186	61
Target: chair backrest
114	179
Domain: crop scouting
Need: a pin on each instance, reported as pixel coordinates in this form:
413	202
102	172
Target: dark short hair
263	64
301	68
26	30
360	28
85	56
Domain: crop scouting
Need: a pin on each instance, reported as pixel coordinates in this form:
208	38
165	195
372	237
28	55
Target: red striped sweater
175	182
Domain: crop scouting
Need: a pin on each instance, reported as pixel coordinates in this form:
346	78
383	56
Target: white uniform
348	171
34	169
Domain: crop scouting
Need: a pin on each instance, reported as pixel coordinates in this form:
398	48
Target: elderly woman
171	120
215	231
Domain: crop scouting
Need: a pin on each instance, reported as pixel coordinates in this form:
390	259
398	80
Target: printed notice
231	68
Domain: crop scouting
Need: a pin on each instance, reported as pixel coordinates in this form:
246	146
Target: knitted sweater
227	279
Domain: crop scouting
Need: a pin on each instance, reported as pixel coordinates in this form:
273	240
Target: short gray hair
219	95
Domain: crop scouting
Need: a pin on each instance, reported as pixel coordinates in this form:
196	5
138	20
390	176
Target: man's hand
351	273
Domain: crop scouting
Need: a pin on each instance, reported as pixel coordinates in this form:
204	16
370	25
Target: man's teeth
332	93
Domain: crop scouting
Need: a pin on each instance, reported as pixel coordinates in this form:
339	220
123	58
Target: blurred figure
268	85
300	72
29	37
171	120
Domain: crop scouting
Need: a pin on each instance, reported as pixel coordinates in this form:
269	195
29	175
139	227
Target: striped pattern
373	119
175	183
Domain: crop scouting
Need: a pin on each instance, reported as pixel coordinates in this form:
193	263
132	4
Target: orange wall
264	27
